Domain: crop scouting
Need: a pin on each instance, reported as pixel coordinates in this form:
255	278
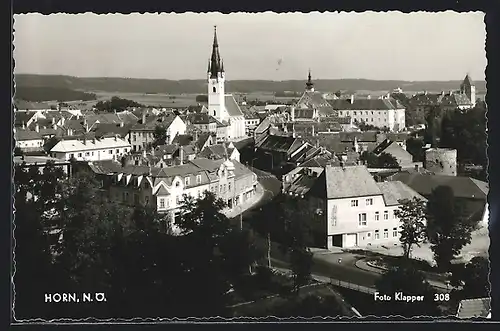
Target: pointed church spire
208	65
215	61
309	84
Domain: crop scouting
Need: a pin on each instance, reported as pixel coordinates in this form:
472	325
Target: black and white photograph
250	166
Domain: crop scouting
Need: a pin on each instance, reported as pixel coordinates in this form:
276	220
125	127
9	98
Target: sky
268	46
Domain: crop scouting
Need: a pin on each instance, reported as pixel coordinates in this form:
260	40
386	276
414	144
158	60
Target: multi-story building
353	209
381	113
28	141
164	188
142	134
91	149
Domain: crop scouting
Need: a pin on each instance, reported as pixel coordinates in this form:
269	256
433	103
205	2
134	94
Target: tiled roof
206	164
349	181
318	161
167	149
383	146
202	139
426	99
395	191
23	117
280	143
366	136
472	308
463	187
250	115
183	139
22	135
188	150
232	106
327	111
365	104
455	100
217	151
154	121
314	99
243	143
302	184
36	159
90	144
201	118
103	130
240	170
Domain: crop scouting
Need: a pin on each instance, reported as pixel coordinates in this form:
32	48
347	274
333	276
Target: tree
409	281
412	215
415	147
471	279
448	231
312	305
383	160
160	136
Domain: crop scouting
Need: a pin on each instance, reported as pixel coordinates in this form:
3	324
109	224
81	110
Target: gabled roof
318	161
426	99
302	183
201	118
463	187
217	151
365	104
167	149
183	139
202	139
107	129
472	308
396	191
21	117
455	100
314	99
280	143
349	181
22	135
66	146
232	107
383	146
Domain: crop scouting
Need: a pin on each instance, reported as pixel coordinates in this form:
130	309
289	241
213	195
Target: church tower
216	80
309	84
467	87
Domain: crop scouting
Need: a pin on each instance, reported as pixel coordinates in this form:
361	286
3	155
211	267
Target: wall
30	145
176	127
139	139
380	118
95	155
441	161
348	220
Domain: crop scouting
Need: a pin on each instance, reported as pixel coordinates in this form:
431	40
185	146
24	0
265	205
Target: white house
91	149
28	141
381	112
355	209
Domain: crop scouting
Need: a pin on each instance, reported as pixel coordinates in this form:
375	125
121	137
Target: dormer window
177	184
198	179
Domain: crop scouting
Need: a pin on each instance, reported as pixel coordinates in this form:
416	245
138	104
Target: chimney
116	137
143	116
292	113
144	153
37	128
181	155
86	127
24	126
369	96
451	92
442	93
317	142
53	120
78	116
121	124
360	162
84	121
313	130
352	99
153	151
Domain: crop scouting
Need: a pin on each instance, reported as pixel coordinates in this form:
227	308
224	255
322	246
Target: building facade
91	149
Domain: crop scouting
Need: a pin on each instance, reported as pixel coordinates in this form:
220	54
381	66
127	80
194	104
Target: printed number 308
441	297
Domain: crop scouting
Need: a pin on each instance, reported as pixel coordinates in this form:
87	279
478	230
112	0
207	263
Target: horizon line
229	80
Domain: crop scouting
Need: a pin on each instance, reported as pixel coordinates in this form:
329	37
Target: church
223	107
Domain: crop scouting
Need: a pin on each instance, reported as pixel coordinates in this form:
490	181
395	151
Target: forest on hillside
46	93
133	85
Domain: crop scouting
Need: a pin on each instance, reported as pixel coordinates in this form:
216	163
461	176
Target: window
162	203
224	187
394	214
177	184
186	181
377	235
369	201
134	138
369	234
386	233
220	188
79	154
386	215
117	151
177	200
110	151
87	153
377	216
354	203
214	89
198	179
229	187
72	155
395	232
362	219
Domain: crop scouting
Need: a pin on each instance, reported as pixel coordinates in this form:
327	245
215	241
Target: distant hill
50	93
137	85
